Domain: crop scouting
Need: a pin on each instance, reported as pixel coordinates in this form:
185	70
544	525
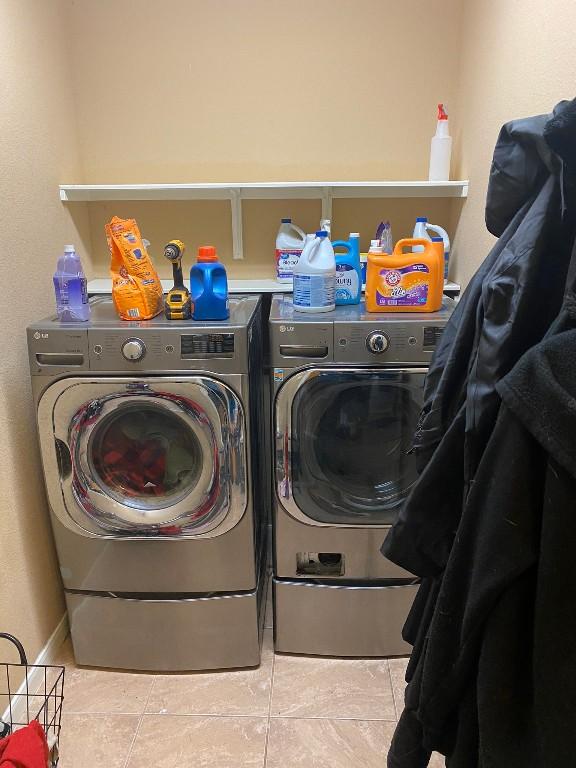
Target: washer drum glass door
132	458
343	442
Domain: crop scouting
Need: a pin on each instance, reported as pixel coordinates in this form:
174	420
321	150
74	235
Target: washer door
343	440
133	458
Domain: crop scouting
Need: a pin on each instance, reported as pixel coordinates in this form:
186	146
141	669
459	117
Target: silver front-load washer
348	390
150	435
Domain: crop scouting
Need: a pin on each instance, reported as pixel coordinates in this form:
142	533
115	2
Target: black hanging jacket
479	674
506	309
496	683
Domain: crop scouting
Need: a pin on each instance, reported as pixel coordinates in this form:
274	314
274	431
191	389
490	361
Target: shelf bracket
327	203
236	210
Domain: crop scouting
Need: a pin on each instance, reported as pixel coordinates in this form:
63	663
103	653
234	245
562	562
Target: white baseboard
35	676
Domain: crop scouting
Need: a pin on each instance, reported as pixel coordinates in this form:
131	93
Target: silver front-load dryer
348	390
154	493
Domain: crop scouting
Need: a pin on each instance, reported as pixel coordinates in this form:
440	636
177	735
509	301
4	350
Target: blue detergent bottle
209	286
348	271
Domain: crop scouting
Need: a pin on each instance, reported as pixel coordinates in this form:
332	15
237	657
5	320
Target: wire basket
32	692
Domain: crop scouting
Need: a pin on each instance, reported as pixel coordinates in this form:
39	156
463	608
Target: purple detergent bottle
70	287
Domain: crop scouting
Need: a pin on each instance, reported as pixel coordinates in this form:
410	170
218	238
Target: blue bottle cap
437	239
321	233
422	218
286	221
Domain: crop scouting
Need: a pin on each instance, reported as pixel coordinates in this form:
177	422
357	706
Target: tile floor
291	712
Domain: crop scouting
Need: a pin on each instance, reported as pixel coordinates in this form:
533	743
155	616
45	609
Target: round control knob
133	350
377	342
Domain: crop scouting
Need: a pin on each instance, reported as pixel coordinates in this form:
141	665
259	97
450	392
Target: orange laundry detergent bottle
406	282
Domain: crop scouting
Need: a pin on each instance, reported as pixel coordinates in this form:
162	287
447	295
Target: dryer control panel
350	335
385	342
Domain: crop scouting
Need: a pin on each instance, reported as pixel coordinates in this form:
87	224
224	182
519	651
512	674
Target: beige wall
38	148
255	90
517	60
241	90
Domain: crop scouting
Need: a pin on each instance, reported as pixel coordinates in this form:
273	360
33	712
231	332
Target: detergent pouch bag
136	287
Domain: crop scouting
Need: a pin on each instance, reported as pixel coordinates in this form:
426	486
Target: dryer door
343	439
130	458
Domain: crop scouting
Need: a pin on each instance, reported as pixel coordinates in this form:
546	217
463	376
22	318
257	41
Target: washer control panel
206	345
137	347
164	349
377	342
133	350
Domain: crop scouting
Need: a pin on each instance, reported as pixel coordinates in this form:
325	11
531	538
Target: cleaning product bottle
363	267
70	287
440	149
348	271
209	286
384	236
405	282
289	244
421	231
315	276
445	255
375	247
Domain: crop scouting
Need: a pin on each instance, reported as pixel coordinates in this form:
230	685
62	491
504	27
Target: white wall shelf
235	192
104	286
279	190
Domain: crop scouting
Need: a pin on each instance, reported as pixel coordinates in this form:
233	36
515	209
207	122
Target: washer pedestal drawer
339	620
165	635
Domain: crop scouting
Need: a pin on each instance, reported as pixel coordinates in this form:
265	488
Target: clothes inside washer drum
146	453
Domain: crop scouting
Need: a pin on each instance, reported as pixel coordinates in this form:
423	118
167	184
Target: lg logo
39	335
286	328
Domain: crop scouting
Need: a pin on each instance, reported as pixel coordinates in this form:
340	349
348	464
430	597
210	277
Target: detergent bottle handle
342	244
208	288
439	231
313	250
409	242
301	232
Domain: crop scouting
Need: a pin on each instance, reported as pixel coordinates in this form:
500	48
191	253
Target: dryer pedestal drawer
326	620
165	635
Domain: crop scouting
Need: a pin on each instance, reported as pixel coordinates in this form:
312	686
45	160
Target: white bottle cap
69	249
354	234
375	247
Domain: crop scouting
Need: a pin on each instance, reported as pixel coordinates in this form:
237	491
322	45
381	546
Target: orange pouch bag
136	288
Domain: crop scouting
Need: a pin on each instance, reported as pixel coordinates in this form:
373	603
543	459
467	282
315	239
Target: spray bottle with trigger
440	149
177	305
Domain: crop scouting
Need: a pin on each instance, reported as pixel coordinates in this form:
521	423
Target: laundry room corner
38	145
288	383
